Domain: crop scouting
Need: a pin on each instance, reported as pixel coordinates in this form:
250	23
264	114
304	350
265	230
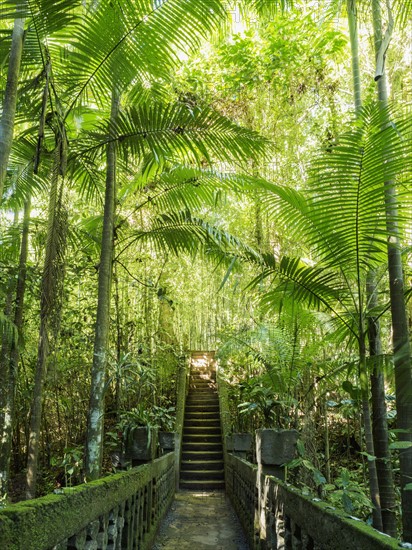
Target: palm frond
183	233
268	8
402	11
317	287
192	134
146	38
346	198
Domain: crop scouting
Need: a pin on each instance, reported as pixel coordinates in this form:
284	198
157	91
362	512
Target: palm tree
102	67
189	133
345	183
400	334
384	516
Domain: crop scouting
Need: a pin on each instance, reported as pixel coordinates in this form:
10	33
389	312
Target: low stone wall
276	516
121	511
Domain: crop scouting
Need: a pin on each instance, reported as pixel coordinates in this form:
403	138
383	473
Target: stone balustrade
277	516
121	511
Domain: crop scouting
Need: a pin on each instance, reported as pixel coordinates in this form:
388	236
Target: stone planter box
274	448
242	442
141	445
167	441
229	443
239	443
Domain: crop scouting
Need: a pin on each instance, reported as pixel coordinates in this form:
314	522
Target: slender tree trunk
327	443
10	99
119	345
370	449
7	338
9	404
95	424
400	333
48	306
379	417
354	45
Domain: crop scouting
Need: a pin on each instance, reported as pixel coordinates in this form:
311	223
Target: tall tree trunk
370	449
13	359
95	423
7	335
379	418
51	279
10	99
400	333
354	46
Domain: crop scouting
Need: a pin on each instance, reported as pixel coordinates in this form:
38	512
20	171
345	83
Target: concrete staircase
202	466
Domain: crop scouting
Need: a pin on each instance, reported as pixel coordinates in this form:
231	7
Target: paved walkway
201	521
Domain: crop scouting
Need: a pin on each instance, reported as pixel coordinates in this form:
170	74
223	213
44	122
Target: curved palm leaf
145	38
193	134
181	232
346	195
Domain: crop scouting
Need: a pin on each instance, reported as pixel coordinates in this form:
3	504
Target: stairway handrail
126	505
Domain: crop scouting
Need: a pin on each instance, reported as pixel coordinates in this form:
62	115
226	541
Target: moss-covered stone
327	527
43	523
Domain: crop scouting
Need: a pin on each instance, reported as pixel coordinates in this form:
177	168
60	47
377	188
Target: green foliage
349	495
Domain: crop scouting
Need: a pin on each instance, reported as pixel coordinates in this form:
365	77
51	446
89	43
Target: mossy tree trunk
95	423
51	284
10	99
11	357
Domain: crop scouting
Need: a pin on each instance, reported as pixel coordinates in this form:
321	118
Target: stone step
198	455
204	380
202	407
201	465
202	395
196	413
201	403
208	422
201	398
206	486
202	430
202	375
201	475
213	446
198	419
201	438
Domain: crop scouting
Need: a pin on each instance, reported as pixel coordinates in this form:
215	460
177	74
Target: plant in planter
164	419
139	434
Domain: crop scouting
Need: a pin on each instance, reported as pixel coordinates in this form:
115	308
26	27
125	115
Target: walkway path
201	521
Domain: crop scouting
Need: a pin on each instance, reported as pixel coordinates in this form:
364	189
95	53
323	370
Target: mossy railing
275	515
122	511
225	420
181	392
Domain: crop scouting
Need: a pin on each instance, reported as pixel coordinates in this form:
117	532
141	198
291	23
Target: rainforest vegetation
225	175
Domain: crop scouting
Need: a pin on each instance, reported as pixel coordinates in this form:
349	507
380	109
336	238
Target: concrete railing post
274	448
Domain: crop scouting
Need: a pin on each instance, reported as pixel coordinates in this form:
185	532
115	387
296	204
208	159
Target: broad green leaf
400	445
